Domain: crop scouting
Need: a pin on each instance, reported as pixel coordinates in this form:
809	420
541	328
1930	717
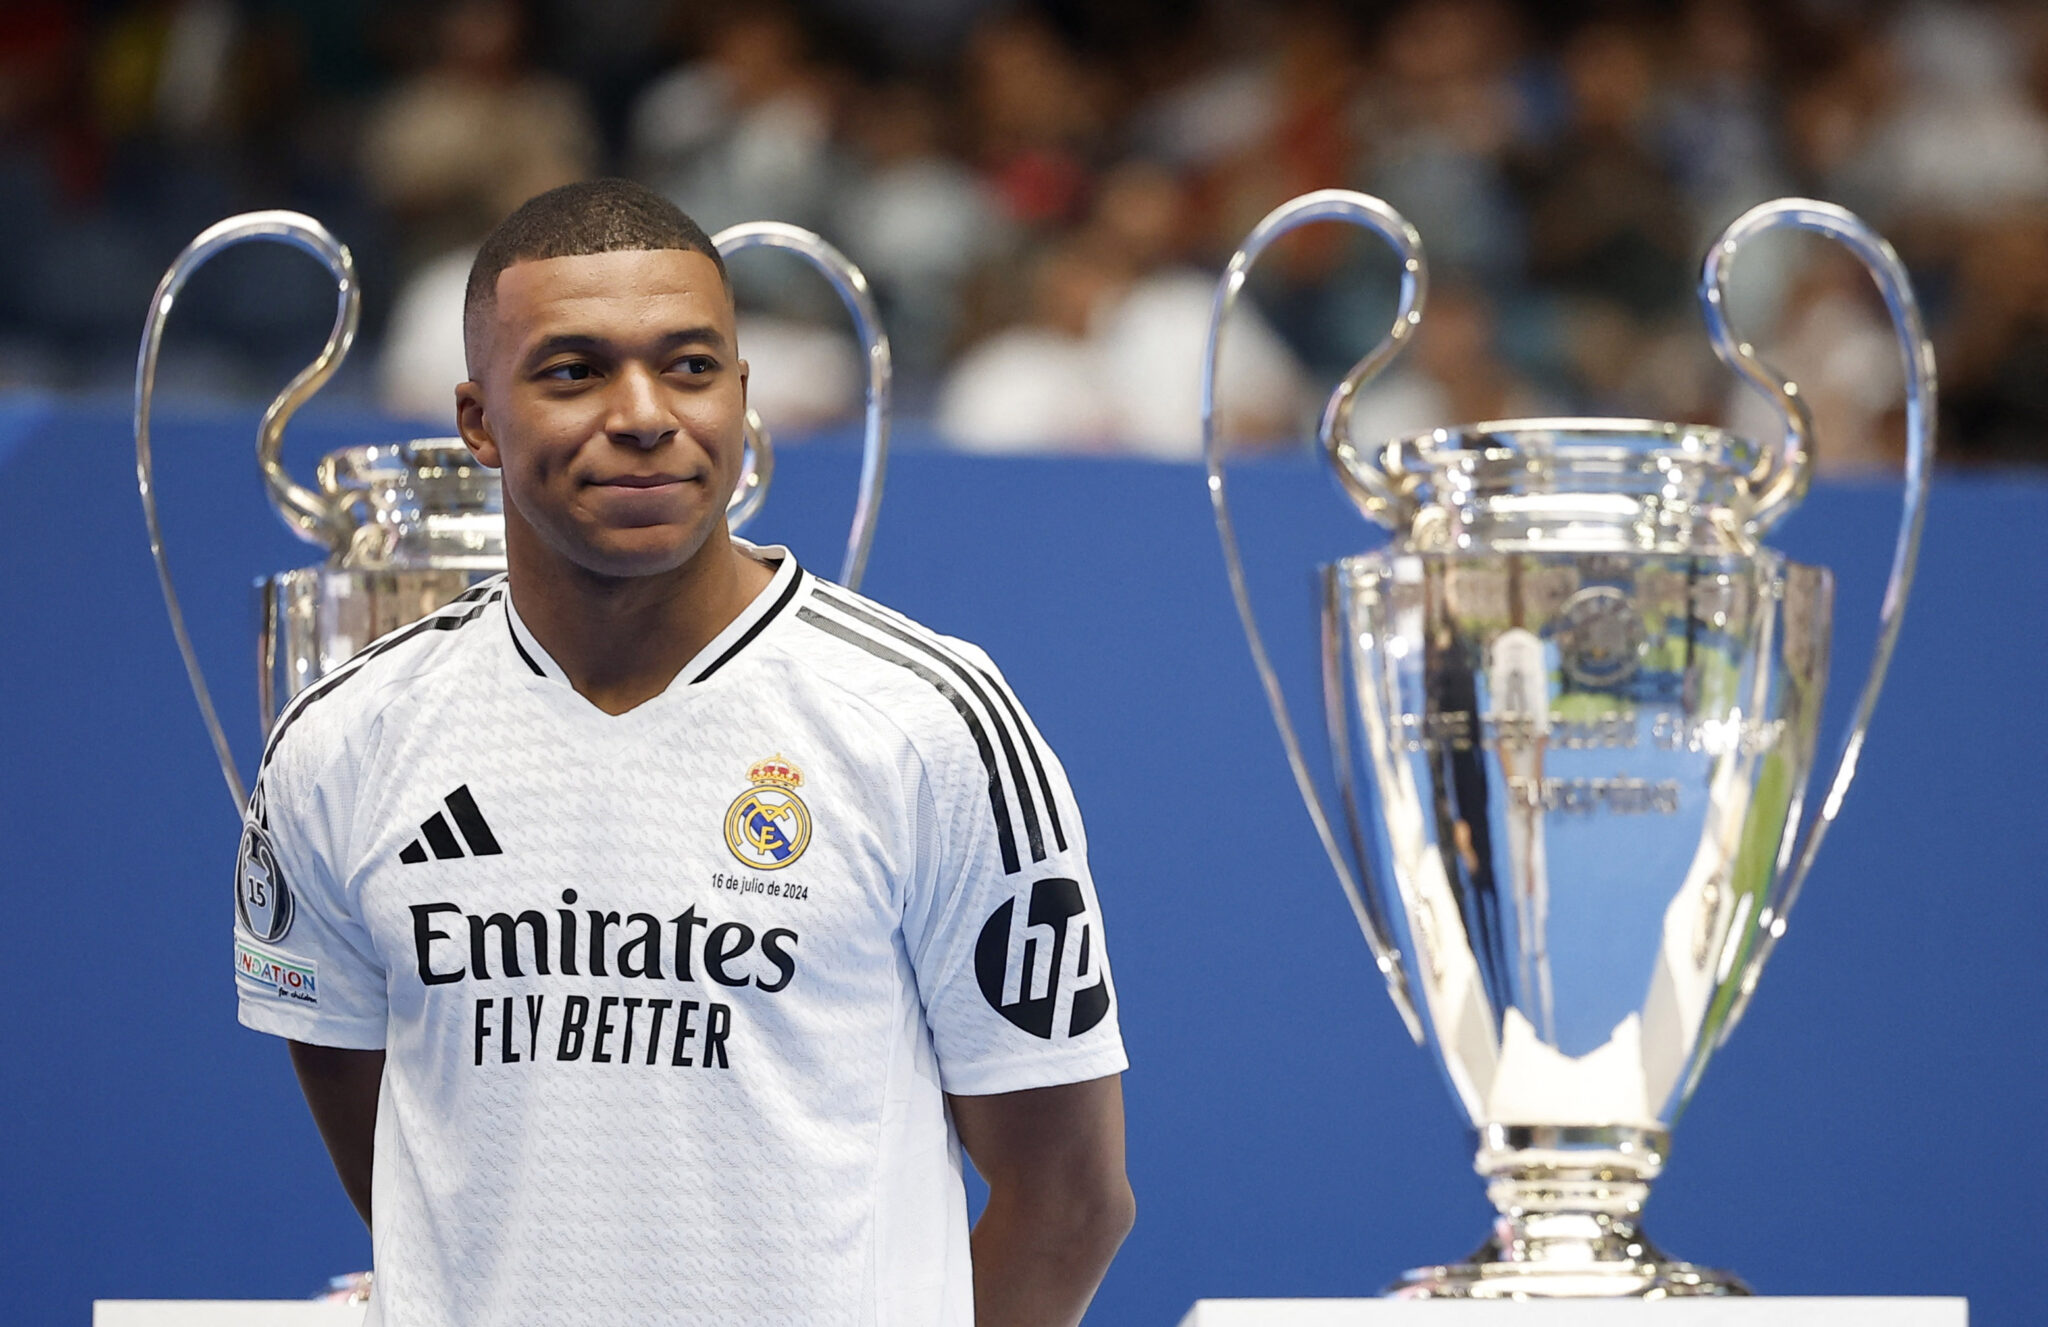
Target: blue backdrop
1875	1127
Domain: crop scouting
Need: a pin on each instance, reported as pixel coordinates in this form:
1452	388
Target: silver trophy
1572	708
408	526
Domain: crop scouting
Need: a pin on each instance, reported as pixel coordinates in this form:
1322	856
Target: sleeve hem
1021	1072
341	1033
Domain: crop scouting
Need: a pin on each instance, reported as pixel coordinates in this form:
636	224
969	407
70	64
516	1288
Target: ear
474	427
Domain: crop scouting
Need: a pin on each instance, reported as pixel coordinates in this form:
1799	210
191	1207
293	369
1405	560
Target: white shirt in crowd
1132	385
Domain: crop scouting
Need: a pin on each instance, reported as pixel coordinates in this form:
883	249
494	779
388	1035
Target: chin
639	551
613	548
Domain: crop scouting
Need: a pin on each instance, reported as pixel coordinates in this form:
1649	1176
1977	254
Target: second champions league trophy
409	526
1573	708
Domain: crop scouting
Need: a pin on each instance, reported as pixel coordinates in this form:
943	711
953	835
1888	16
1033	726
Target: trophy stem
1570	1201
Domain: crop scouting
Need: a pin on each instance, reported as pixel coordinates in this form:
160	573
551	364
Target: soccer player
652	926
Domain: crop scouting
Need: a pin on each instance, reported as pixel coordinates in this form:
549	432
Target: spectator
746	132
1605	220
1041	193
1718	125
918	222
1036	117
477	131
1441	123
1994	356
1964	85
421	359
1149	337
1452	374
1833	339
1038	385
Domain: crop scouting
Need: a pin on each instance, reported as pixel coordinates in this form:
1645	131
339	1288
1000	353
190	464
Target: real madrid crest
768	825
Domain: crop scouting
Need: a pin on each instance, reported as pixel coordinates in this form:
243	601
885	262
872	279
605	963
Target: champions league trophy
1584	699
408	526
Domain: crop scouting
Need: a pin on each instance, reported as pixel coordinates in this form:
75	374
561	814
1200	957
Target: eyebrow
590	342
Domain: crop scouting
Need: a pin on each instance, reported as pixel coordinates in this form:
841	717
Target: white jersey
669	999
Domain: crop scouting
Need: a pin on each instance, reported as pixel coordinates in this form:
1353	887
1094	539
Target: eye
697	365
574	370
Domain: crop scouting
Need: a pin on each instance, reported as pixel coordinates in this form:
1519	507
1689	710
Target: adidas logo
437	836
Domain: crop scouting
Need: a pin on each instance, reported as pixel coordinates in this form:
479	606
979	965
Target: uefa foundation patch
274	974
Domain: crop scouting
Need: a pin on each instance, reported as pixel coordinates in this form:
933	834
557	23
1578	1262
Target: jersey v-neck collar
765	609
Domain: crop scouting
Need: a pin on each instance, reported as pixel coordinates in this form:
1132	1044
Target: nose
640	414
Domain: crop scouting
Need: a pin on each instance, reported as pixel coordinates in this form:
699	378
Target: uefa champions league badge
768	825
1601	638
263	901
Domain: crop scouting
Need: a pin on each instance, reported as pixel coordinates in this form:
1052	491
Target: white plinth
224	1313
1757	1312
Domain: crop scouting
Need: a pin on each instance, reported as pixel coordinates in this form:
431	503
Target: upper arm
342	1088
1068	1138
341	1085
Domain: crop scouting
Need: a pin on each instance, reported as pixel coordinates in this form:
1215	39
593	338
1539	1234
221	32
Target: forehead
623	295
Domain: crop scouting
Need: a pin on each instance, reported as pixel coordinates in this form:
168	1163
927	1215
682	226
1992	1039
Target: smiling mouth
644	481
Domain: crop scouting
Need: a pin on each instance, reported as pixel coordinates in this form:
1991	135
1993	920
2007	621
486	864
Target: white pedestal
224	1313
1733	1312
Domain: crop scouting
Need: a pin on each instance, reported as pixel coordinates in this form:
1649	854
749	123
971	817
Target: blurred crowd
1043	193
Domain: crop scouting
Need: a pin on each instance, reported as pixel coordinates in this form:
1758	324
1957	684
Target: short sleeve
1002	922
304	965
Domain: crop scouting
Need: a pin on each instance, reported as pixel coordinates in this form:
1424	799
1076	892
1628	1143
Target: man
655	916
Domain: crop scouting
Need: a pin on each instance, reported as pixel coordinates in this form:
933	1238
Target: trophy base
1569	1199
1612	1262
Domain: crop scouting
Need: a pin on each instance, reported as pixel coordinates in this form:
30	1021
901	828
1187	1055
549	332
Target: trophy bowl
1573	708
428	523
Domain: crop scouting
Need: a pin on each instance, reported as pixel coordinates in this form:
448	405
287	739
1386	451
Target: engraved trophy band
409	526
1572	709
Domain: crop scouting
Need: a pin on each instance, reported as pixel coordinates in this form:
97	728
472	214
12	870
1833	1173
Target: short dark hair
590	216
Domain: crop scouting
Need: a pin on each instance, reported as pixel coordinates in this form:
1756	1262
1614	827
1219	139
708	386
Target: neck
622	639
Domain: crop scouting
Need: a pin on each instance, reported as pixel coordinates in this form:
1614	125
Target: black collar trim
796	581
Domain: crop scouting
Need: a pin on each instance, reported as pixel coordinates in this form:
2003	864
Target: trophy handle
757	468
854	292
1369	486
1784	477
310	515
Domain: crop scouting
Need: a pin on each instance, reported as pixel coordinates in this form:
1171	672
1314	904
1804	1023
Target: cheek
539	446
718	419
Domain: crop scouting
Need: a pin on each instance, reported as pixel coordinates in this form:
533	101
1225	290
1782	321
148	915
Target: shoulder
942	693
992	783
851	640
327	720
